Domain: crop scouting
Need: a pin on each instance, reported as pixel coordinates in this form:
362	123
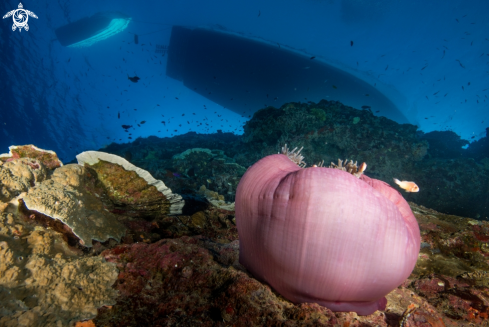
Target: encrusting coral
43	283
17	176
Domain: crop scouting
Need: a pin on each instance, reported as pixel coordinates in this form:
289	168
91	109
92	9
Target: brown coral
133	190
66	197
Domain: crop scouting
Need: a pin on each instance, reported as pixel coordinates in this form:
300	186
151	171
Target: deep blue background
431	58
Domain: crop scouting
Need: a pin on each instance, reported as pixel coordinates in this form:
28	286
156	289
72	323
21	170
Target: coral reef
384	144
479	149
211	168
326	132
456	186
208	287
445	144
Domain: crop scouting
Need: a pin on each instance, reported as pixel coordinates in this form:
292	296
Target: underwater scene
244	163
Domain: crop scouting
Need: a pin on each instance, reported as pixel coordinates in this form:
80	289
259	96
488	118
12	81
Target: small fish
407	186
119	115
461	65
335	87
143	122
351	43
136	38
134	79
312	57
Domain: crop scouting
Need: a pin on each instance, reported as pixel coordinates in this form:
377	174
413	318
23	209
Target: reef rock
198	281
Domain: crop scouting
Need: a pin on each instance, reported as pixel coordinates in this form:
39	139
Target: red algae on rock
198	281
177	281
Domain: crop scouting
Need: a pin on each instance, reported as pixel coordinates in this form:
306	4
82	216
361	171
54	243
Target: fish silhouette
134	79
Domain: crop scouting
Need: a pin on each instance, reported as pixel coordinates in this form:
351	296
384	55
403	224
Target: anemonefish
407	186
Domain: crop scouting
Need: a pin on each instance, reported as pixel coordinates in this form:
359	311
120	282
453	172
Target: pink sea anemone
323	235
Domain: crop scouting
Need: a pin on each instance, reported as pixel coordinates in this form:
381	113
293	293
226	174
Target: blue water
431	58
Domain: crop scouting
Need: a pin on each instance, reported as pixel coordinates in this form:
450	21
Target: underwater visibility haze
244	163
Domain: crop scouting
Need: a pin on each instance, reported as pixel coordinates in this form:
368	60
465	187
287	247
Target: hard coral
131	187
66	197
